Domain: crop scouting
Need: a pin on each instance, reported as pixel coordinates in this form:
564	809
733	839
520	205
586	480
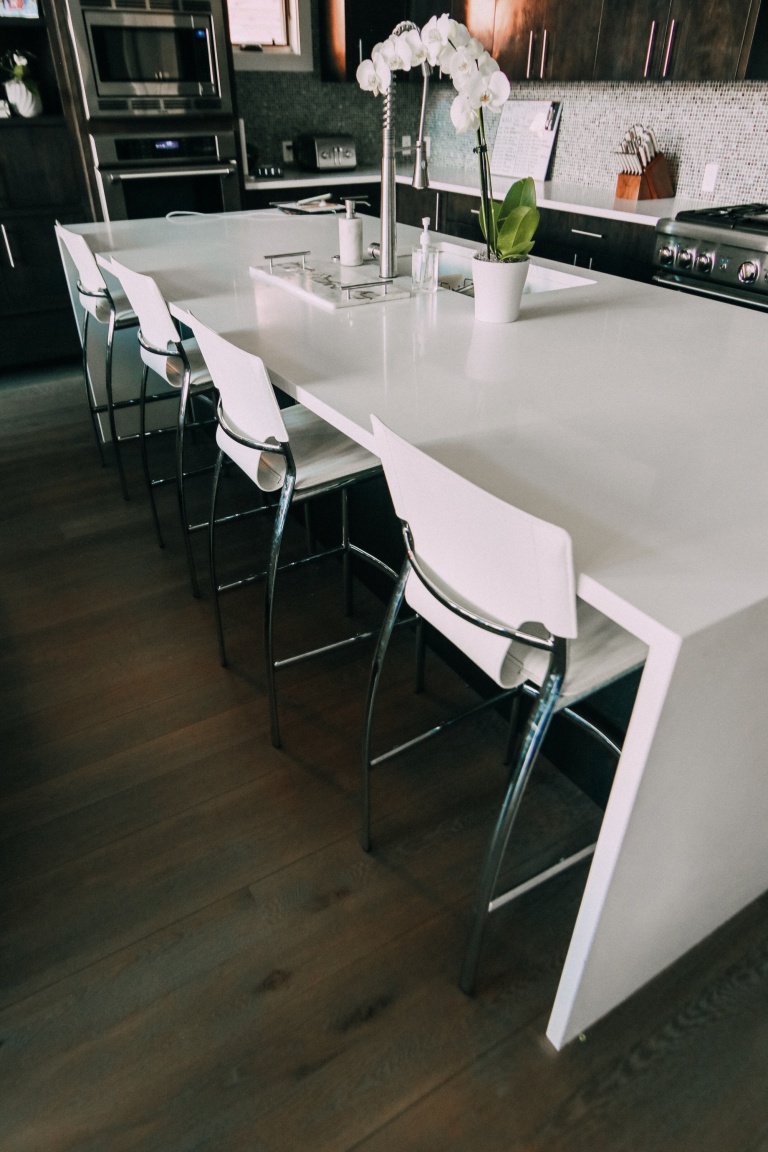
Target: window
271	35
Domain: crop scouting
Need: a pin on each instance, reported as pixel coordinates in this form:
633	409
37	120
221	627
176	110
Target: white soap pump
350	236
424	262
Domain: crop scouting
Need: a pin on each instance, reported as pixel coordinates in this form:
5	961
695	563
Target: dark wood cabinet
632	40
694	40
704	39
613	246
478	16
546	39
348	31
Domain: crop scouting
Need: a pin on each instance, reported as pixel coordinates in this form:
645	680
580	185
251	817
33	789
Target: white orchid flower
475	48
374	75
397	53
417	46
487	91
19	60
487	65
456	33
433	40
462	68
447	53
463	116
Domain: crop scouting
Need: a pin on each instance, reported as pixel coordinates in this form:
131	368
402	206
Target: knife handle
649	53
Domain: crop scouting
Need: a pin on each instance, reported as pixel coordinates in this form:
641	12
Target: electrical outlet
288	151
710	178
406	144
428	145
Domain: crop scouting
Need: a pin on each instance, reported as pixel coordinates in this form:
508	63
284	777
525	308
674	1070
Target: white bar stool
290	452
500	585
105	307
179	363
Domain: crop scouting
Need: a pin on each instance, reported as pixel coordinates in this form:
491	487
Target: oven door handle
144	174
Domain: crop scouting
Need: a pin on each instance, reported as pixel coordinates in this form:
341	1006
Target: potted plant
21	90
499	273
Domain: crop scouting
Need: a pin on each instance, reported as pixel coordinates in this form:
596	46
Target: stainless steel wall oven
137	56
147	174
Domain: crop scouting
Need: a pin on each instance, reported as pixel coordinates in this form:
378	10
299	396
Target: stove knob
666	255
685	259
703	263
748	272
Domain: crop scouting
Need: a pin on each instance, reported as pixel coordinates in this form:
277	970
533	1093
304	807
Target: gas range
719	252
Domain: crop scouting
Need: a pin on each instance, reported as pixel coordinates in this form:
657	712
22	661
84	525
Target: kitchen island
654	464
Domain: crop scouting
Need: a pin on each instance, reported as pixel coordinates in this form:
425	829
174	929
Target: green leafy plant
15	66
512	223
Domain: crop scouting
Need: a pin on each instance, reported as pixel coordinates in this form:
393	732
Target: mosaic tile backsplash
695	124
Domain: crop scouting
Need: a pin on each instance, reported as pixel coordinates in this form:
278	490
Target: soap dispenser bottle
350	236
424	262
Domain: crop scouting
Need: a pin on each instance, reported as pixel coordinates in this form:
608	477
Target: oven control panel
703	260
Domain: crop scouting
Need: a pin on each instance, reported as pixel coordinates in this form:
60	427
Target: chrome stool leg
212	557
145	456
385	634
182	419
281	516
88	393
110	403
536	730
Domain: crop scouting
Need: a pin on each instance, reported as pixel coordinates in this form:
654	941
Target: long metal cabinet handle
543	55
668	53
649	53
7	242
530	55
581	232
117	176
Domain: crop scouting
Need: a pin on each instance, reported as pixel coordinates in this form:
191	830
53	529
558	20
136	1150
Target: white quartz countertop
551	194
631	415
560	197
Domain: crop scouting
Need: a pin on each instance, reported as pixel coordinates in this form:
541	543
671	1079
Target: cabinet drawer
612	240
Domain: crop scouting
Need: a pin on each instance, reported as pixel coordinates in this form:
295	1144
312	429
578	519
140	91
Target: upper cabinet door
546	39
478	15
704	39
517	37
569	40
348	31
633	36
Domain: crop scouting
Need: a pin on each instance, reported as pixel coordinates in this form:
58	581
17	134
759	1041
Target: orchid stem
486	192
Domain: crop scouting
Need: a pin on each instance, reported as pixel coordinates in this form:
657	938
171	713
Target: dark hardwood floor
195	954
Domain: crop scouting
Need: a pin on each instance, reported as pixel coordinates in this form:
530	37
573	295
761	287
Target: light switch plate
710	178
287	151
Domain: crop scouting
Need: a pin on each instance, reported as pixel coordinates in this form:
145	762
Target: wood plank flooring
195	954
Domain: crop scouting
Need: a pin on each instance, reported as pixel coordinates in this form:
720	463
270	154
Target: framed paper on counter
525	138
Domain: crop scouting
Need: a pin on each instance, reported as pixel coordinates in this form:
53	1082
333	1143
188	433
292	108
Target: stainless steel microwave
150	62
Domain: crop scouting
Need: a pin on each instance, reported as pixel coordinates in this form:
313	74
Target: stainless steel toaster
319	153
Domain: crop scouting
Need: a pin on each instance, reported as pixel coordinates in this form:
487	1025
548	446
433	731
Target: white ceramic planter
498	289
23	101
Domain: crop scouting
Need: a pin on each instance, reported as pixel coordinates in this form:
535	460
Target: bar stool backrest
506	565
158	328
83	259
247	396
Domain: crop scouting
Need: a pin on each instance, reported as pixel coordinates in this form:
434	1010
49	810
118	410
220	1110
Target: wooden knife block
654	184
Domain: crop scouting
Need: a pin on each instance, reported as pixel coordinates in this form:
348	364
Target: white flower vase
24	102
498	289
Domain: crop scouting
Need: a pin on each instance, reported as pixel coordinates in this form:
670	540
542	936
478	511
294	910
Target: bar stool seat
171	367
321	453
100	307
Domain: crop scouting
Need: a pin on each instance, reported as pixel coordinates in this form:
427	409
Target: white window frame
297	57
